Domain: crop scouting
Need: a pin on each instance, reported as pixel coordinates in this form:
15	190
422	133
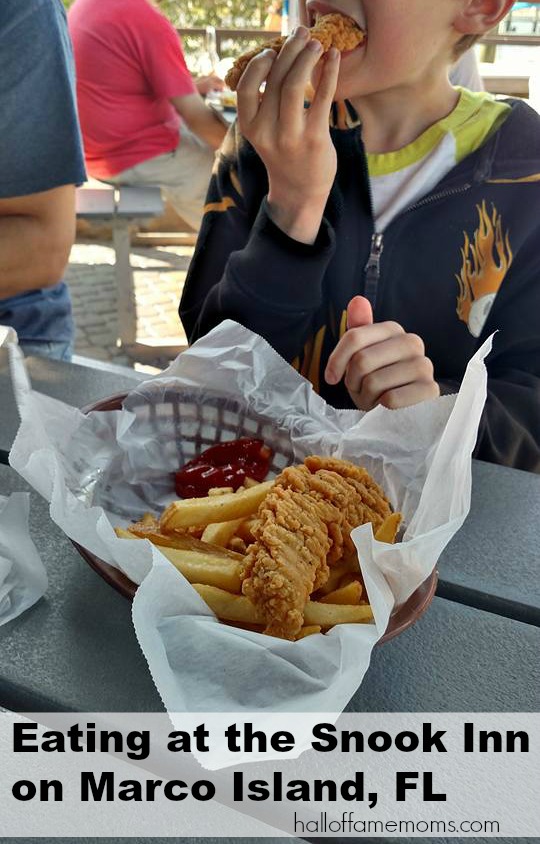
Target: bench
120	207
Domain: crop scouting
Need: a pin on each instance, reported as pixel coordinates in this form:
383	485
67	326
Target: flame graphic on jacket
486	261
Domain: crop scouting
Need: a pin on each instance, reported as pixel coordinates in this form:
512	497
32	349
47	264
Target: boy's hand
293	142
381	363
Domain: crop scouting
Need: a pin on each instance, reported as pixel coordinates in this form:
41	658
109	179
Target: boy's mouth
316	8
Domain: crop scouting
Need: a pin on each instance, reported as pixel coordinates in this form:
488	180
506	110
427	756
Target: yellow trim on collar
475	116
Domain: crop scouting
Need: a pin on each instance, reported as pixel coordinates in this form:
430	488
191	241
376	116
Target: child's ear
479	16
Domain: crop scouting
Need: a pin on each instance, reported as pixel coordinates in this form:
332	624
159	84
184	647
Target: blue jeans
43	349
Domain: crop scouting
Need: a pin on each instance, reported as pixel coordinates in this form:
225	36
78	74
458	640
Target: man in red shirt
142	119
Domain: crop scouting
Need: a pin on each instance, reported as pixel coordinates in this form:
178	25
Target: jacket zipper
442	195
372	270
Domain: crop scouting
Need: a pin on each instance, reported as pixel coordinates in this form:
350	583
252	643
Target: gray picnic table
493	562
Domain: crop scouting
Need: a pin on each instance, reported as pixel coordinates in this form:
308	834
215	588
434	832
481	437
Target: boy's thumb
359	312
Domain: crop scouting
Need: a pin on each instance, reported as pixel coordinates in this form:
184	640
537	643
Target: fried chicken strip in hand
334	30
304	525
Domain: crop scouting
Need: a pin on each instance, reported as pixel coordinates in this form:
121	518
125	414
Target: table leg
127	307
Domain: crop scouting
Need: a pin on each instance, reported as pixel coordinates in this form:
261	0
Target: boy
429	210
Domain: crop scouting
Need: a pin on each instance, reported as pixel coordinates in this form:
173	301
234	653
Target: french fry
217	508
249	482
221	533
238	545
389	528
220	490
200	562
308	631
229	607
337	571
349	578
327	615
153	533
245	530
255	628
124	534
208	569
146	523
349	594
239	608
350	562
180	541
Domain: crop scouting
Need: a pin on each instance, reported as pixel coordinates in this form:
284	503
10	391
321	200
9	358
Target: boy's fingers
324	95
288	54
271	102
247	92
353	341
293	89
368	391
409	395
402	347
359	312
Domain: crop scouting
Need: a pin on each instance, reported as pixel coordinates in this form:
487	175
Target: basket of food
264	539
268	541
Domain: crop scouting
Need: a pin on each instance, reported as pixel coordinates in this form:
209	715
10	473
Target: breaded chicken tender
303	527
334	30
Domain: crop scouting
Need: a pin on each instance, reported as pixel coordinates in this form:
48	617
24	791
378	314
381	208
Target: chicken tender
334	30
303	527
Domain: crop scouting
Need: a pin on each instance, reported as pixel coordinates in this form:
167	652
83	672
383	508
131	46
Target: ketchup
225	464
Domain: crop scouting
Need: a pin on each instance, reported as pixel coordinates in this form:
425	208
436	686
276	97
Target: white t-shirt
399	179
466	72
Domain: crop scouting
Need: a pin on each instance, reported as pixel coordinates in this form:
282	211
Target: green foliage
229	13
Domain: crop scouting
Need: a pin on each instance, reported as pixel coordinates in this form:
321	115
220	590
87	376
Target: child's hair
464	44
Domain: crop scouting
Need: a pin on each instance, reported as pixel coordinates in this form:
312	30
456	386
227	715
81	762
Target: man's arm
200	119
36	234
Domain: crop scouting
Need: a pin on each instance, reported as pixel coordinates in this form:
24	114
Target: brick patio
159	274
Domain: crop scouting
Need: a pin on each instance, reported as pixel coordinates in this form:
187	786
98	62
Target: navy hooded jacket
459	264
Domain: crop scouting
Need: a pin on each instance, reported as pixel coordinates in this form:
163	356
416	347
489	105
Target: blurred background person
41	162
272	20
206	84
208	78
142	117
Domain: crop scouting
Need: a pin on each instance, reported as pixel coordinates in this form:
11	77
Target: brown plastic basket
195	426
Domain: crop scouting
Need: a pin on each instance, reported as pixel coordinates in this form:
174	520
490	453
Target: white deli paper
23	579
100	469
